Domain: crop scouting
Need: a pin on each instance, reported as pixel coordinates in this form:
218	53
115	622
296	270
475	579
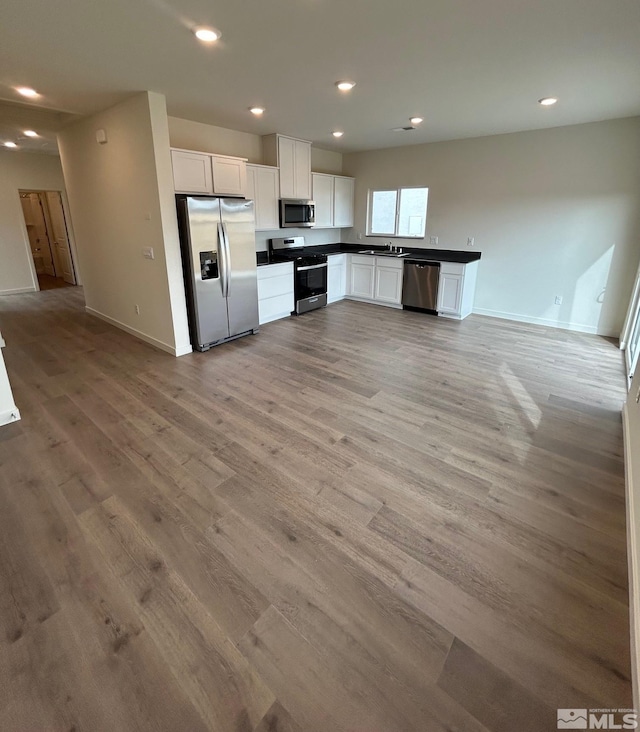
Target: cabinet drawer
275	270
453	268
274	308
336	260
275	286
363	259
390	262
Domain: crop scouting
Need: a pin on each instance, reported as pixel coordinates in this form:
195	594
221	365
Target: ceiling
468	67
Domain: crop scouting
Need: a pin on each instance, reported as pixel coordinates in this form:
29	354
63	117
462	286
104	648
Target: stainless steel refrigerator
217	238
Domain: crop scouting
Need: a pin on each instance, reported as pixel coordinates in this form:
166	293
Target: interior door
60	237
242	294
201	225
37	231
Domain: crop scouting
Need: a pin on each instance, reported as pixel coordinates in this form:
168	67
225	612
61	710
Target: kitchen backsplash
311	236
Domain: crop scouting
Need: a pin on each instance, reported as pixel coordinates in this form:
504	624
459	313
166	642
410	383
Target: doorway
48	233
630	336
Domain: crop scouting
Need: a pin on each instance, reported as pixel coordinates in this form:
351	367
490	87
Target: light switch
147	253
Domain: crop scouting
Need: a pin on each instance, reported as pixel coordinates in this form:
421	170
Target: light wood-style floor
360	519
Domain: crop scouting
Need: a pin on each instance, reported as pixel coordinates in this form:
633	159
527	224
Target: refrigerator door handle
227	258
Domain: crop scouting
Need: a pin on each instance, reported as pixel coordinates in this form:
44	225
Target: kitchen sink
384	254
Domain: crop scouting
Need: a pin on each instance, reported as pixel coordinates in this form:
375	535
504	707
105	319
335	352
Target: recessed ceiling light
27	92
10	144
257	111
208	35
547	101
337	133
345	85
415	120
31	133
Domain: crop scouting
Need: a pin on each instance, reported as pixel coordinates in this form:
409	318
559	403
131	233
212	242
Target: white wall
209	138
121	199
20	170
554	212
326	161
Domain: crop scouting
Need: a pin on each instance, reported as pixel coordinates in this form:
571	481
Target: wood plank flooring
360	519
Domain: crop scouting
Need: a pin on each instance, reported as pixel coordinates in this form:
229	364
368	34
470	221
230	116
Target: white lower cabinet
376	279
388	284
275	291
362	274
336	277
456	289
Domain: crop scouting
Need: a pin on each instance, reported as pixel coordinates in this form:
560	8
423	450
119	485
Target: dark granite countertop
417	254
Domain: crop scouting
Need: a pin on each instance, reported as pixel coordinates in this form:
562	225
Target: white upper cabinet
343	202
229	175
263	187
333	195
293	158
191	172
197	172
323	190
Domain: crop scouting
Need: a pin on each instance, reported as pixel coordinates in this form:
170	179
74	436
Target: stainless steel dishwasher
420	288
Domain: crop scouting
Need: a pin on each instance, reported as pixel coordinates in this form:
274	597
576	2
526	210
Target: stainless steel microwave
298	213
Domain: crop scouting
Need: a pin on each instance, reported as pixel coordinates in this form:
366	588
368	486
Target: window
398	212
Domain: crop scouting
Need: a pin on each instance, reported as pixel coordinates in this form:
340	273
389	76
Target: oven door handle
311	266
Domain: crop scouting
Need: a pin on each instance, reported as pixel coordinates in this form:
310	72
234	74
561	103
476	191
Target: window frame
398	190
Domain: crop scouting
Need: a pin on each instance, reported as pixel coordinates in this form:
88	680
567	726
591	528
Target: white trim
20	290
161	345
633	312
633	559
578	327
11	415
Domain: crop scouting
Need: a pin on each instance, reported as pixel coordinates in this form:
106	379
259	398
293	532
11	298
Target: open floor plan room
360	519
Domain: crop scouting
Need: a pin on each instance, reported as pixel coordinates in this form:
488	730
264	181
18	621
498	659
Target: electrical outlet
558	300
433	240
137	307
470	241
147	253
359	236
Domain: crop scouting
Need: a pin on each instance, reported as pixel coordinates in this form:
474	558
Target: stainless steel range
309	271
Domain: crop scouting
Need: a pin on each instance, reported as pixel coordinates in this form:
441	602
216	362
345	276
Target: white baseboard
19	291
180	351
633	559
11	415
183	350
578	327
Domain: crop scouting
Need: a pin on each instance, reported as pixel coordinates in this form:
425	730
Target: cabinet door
337	277
323	196
450	293
229	176
287	165
343	202
191	172
267	195
388	284
362	280
302	174
263	190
